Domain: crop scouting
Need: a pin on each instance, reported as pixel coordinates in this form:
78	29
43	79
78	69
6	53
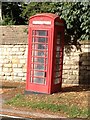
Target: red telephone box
45	53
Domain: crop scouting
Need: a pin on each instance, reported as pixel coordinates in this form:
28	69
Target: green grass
72	111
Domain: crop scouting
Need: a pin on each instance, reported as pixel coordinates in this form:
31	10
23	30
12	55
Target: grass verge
72	111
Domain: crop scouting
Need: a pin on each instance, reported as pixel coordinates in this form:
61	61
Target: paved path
27	113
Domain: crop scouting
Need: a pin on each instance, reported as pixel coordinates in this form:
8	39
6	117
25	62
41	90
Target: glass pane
39	73
41	32
57	74
58	48
57	67
39	60
39	80
38	53
58	38
39	66
57	61
57	54
42	40
41	53
41	46
57	80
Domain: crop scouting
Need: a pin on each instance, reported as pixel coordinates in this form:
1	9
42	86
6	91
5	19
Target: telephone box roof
51	15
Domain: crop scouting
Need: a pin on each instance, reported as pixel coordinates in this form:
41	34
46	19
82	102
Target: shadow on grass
8	87
76	88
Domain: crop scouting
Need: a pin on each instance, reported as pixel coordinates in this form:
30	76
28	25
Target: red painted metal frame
32	86
52	29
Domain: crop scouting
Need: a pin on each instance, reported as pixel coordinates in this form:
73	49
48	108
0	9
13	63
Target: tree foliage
11	12
76	15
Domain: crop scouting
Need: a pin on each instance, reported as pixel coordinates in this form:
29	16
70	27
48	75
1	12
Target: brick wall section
13	58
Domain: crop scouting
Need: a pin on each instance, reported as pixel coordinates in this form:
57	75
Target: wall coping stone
24	35
10	34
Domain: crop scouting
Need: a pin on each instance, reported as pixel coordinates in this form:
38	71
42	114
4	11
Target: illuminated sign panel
41	22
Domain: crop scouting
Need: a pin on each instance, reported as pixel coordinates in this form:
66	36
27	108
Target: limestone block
7	74
19	53
24	74
17	46
2	57
5	69
1	65
70	73
9	49
64	76
16	78
17	70
72	77
10	57
23	78
4	78
15	61
86	63
86	46
9	77
15	65
74	67
26	53
88	58
0	69
25	68
16	49
21	74
20	57
85	49
13	53
88	49
8	65
75	72
65	72
1	61
22	49
75	82
6	61
22	61
20	65
88	67
2	73
5	49
68	81
25	57
10	69
66	67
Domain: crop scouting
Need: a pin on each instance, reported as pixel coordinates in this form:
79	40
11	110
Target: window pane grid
39	56
58	59
40	32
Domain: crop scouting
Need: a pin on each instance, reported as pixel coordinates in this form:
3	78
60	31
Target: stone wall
13	57
13	52
76	68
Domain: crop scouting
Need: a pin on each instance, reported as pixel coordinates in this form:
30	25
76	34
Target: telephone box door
39	60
